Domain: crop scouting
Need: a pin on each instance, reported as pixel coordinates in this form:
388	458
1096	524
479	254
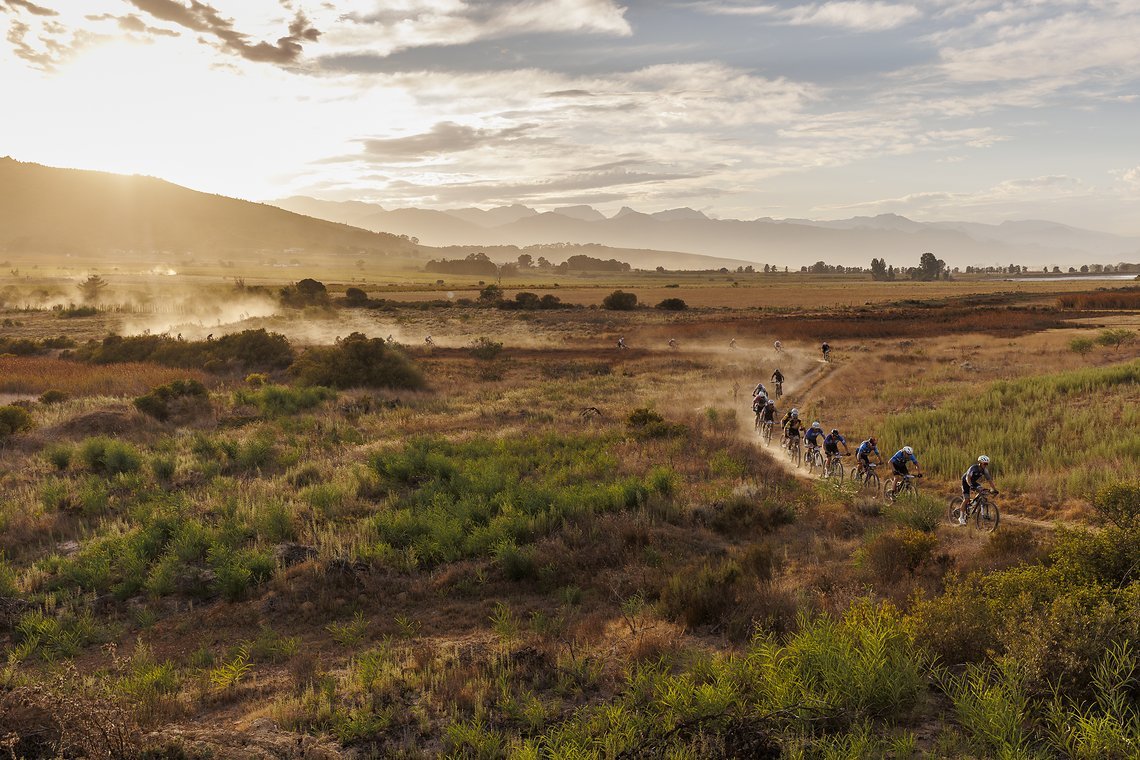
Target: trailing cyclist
831	444
778	381
779	346
971	481
899	462
768	414
760	390
863	455
793	431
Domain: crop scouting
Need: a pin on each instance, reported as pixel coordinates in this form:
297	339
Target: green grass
1060	435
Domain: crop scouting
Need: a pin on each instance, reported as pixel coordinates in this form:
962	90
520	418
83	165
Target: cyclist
971	480
778	380
831	444
826	348
732	343
621	342
779	346
792	414
864	452
672	343
768	413
794	429
428	341
898	464
758	404
813	437
760	390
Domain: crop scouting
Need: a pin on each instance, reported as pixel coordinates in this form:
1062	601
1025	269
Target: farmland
238	531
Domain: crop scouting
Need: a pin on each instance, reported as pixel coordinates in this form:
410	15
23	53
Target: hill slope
49	210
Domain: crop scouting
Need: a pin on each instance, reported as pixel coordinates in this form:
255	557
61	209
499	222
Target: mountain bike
766	431
867	477
814	459
795	451
833	470
908	486
779	388
981	510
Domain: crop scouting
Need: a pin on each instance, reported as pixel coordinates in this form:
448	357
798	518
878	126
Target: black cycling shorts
900	469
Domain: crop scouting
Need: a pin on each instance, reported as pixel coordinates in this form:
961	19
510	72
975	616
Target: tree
1081	346
672	304
526	261
619	300
491	294
1116	338
930	267
91	288
878	269
355	297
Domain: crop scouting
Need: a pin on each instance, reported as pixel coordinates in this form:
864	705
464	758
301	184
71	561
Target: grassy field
553	548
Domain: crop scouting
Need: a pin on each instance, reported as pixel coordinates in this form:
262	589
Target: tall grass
1059	435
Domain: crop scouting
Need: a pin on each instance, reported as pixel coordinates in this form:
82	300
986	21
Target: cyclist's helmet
816	425
835	431
795	412
908	449
983	459
871	440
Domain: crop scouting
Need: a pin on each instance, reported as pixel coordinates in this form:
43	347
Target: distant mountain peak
679	213
582	212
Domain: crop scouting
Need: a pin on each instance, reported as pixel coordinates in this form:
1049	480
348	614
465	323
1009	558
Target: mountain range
780	242
69	211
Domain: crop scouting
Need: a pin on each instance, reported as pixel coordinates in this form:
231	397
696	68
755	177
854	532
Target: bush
619	300
14	419
1081	345
1119	503
280	400
162	401
357	361
486	349
922	512
893	555
701	596
646	423
672	304
248	349
52	396
355	297
108	456
306	292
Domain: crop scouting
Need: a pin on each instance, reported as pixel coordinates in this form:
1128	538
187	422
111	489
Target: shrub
306	292
355	297
672	304
646	423
280	400
517	563
163	401
52	396
248	349
1116	338
14	419
619	300
357	361
486	349
893	555
59	455
923	512
702	595
1119	503
1081	345
108	456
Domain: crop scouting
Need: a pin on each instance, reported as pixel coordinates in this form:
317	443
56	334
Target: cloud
856	15
32	8
445	137
200	17
1011	196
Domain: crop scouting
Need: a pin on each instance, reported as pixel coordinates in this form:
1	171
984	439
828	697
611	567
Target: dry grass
32	375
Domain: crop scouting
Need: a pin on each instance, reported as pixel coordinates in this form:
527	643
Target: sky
974	110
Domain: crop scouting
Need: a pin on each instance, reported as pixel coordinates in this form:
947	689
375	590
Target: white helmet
815	425
983	459
908	449
795	412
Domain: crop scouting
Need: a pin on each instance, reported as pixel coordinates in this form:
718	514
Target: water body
1060	278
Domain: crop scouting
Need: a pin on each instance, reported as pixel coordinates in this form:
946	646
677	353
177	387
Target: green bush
486	349
281	400
893	555
52	396
248	350
108	456
14	419
646	423
923	512
357	361
1119	503
161	401
59	455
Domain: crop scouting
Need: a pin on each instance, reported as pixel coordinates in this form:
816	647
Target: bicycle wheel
837	472
872	483
767	433
986	516
796	454
889	494
954	510
812	461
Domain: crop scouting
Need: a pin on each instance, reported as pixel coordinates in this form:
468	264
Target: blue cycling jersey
901	457
866	448
834	440
812	434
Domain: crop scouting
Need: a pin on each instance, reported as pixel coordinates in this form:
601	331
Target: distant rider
778	381
769	412
826	348
621	342
864	452
732	343
971	481
672	343
760	390
779	346
899	463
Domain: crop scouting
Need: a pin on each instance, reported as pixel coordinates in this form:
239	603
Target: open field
536	545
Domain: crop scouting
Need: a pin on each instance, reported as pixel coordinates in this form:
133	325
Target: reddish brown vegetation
1125	298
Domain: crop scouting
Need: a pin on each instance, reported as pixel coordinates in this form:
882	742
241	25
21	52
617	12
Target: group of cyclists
816	441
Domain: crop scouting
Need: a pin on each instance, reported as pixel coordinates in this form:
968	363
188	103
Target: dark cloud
35	10
445	137
205	19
